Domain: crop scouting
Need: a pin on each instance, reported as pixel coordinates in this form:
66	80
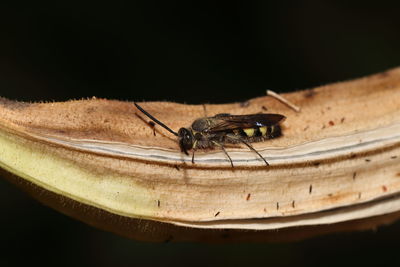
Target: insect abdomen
264	131
257	134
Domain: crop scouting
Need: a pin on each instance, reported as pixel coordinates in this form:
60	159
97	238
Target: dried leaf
337	165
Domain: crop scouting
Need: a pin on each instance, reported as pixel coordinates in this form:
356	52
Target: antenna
155	120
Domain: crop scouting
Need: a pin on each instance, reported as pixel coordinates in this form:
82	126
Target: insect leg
223	149
249	146
194	149
252	148
193	156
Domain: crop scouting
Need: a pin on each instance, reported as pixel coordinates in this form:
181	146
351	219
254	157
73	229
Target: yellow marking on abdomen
249	132
263	130
271	129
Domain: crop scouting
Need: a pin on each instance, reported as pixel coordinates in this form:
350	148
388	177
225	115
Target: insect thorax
200	125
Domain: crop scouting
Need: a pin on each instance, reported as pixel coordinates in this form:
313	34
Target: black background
191	52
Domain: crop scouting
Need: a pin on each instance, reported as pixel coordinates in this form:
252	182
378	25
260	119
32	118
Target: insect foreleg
194	149
223	149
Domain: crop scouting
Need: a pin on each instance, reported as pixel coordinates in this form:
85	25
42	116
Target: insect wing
223	123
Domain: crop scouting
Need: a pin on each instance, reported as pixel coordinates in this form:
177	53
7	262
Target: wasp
224	128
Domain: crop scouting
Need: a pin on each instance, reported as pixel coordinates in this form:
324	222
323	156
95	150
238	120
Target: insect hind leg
223	149
234	138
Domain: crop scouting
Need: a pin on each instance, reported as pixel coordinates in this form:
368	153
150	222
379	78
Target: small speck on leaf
310	93
245	104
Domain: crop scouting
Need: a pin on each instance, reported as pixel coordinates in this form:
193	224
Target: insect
225	128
